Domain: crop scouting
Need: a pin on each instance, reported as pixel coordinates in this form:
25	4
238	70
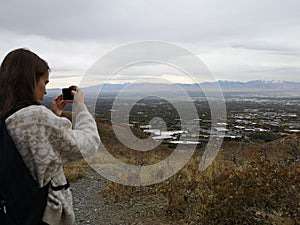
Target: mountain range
280	87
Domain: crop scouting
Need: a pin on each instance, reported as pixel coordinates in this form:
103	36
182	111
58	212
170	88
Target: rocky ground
92	208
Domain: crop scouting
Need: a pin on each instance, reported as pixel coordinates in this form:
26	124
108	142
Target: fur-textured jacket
46	142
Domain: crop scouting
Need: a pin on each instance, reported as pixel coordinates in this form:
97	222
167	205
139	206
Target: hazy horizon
234	81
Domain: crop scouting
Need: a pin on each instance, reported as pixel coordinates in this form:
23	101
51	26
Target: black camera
67	95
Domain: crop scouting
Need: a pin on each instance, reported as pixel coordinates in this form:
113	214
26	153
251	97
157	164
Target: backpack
22	202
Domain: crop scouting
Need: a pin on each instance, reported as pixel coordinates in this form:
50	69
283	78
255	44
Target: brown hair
20	72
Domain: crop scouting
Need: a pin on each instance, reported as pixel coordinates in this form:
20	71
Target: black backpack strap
10	112
60	187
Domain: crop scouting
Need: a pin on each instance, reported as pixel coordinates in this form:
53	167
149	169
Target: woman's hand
58	105
78	96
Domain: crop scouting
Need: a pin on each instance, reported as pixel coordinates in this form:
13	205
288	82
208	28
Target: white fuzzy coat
46	142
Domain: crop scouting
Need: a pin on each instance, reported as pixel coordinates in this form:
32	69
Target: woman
45	140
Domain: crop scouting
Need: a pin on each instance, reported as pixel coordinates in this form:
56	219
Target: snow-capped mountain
259	85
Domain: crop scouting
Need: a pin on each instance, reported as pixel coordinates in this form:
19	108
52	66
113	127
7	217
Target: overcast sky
238	40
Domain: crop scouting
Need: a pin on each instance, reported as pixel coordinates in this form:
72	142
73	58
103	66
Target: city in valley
247	118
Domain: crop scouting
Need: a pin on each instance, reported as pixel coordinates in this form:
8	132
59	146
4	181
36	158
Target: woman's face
40	88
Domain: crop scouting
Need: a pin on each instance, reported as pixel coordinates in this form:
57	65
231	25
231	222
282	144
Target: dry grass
246	184
76	170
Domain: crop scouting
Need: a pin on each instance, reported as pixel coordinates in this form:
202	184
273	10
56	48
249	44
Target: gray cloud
175	20
73	34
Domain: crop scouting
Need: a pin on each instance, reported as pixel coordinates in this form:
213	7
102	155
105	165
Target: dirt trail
92	208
